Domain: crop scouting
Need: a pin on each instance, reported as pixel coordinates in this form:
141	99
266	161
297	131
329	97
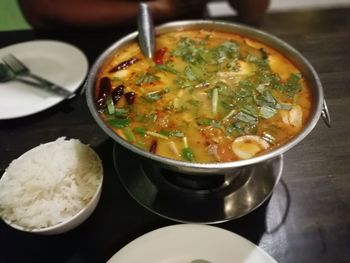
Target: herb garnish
146	78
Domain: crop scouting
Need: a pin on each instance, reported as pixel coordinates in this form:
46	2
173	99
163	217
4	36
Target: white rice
49	184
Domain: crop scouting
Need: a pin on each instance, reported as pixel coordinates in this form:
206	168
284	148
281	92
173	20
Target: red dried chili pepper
153	147
117	93
105	88
123	65
159	57
130	97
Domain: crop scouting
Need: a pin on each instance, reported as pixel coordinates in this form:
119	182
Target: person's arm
95	13
78	13
250	11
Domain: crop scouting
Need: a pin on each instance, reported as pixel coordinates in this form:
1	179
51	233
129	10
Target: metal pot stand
195	198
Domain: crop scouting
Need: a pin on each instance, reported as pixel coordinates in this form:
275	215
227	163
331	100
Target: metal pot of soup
204	123
216	97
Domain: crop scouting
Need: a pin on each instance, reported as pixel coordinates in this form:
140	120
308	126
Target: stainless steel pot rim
269	39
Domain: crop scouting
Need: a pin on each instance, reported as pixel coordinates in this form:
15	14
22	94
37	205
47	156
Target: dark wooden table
307	219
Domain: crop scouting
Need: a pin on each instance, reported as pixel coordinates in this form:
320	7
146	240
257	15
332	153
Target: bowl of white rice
52	188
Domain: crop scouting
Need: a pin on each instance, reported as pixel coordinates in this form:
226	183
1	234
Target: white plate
56	61
186	243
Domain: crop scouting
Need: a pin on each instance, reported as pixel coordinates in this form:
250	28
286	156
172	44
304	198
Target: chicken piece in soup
208	96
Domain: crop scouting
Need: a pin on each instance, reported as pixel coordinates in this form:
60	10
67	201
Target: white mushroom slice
284	116
295	117
213	150
247	146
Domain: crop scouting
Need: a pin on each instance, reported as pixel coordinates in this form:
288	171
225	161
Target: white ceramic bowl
70	223
65	226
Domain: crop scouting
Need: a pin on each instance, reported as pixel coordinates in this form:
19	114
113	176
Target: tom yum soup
208	96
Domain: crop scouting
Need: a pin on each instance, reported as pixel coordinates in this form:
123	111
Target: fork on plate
20	69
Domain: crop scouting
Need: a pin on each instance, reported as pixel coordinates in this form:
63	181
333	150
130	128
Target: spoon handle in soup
146	31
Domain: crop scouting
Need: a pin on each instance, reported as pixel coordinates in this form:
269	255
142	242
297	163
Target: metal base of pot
195	198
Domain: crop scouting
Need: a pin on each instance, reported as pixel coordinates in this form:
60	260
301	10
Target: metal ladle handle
146	30
325	114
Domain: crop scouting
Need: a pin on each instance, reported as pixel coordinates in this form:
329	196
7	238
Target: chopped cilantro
188	154
120	112
266	99
146	78
244	117
175	133
208	122
267	112
119	122
153	96
140	130
284	106
293	85
167	68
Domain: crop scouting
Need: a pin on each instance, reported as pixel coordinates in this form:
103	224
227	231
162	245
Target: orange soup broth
175	110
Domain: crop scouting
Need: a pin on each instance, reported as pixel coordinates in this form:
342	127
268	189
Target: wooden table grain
307	219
